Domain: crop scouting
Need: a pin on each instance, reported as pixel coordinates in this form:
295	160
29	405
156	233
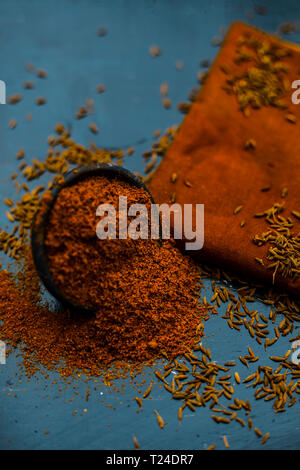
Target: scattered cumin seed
241	421
291	118
265	188
12	123
179	65
180	414
166	103
29	85
220	419
173	177
10	217
164	88
130	151
159	420
82	112
93	128
42	73
139	402
14	99
237	209
250	144
100	88
243	361
205	63
226	443
148	391
154	51
184	107
20	154
237	378
102	31
136	443
296	214
59	128
8	202
40	100
265	438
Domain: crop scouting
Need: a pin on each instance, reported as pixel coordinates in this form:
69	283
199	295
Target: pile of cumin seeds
284	250
264	81
198	381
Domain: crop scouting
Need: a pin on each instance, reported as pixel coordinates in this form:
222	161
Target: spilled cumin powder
145	293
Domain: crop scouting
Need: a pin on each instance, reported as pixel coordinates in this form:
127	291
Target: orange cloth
209	151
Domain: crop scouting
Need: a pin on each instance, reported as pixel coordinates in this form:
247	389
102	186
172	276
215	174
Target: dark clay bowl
40	222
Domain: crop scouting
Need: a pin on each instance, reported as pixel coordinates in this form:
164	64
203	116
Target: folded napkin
239	145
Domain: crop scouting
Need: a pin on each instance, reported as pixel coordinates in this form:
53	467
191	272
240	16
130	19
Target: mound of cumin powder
82	265
145	293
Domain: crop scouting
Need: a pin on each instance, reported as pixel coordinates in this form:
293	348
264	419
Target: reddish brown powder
83	266
145	293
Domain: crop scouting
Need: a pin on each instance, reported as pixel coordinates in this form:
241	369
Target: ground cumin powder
84	266
149	288
145	293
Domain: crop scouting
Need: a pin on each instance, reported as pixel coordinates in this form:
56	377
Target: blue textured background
61	36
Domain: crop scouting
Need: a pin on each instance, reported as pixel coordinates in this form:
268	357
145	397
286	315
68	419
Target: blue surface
61	36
